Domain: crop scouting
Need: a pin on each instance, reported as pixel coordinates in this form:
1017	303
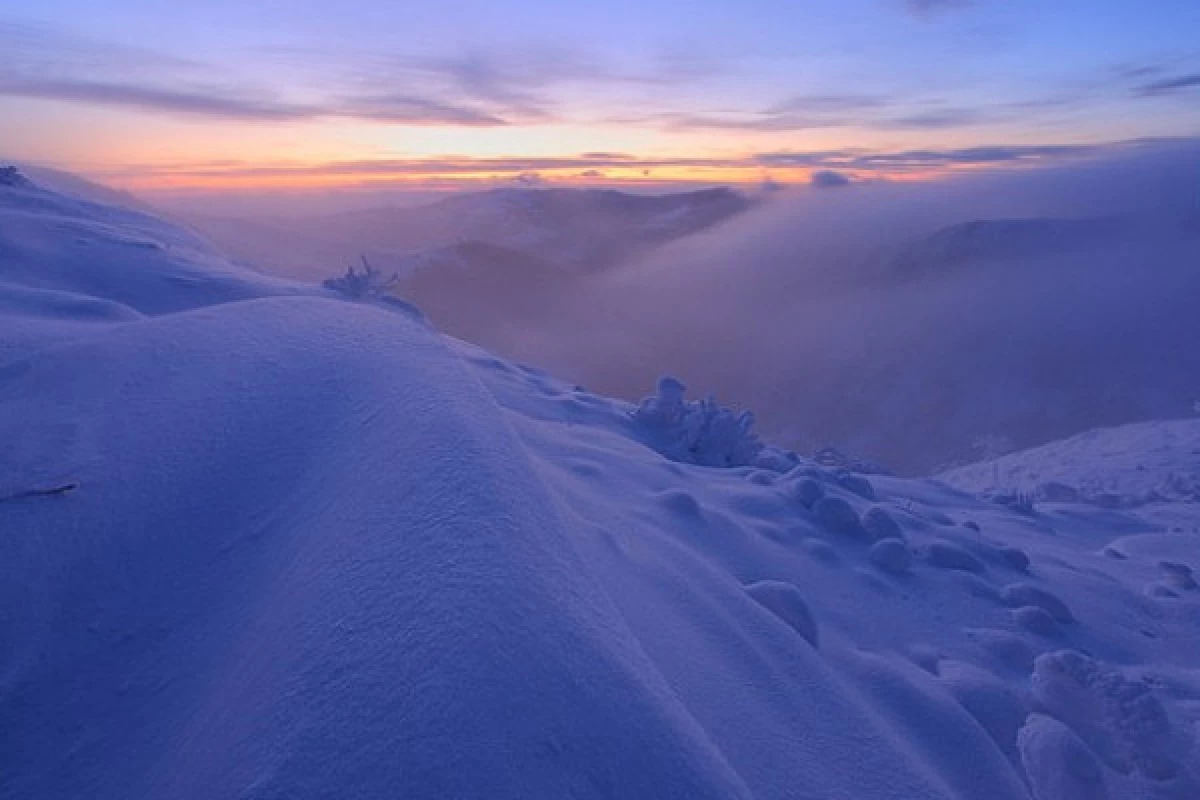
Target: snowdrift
259	541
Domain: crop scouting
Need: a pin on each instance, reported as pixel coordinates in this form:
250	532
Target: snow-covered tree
11	176
698	431
370	283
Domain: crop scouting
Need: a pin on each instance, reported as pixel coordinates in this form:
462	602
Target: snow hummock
258	541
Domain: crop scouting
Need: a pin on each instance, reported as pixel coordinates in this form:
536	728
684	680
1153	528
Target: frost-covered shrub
368	284
11	176
697	431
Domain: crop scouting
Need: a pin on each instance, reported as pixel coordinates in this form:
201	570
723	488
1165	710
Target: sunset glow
294	96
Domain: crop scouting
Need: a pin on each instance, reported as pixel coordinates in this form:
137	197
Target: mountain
259	540
1037	241
575	229
1011	240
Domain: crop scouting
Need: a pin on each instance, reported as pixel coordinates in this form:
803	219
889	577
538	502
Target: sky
241	96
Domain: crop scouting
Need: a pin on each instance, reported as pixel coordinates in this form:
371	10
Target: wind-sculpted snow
64	244
297	546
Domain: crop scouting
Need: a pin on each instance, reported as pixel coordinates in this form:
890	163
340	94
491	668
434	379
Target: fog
840	320
917	324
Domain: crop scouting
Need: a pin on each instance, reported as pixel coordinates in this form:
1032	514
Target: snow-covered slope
1130	465
282	545
57	243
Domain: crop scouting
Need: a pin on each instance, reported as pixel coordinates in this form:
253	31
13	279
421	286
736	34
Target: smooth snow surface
1130	465
262	542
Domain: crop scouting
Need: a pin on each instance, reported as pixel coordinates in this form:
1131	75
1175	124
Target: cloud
446	165
146	97
828	179
924	160
513	84
799	113
603	156
825	103
50	64
811	280
39	48
937	119
410	110
528	179
827	111
928	8
231	103
842	162
522	83
1170	85
764	122
475	87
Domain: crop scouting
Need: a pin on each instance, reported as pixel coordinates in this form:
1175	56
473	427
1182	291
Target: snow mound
1128	465
256	544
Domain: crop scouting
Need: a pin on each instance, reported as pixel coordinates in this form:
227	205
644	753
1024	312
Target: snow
1130	464
699	432
314	549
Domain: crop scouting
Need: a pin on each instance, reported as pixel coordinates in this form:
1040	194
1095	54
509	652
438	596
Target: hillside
970	244
260	541
1130	465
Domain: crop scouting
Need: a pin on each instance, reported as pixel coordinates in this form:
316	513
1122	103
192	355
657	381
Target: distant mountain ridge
575	229
588	228
1027	239
1001	239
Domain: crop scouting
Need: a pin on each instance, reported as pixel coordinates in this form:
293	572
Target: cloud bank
906	321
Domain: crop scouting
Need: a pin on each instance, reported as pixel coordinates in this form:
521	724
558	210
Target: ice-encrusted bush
697	431
11	176
368	284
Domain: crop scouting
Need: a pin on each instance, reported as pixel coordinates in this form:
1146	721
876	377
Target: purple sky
302	93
